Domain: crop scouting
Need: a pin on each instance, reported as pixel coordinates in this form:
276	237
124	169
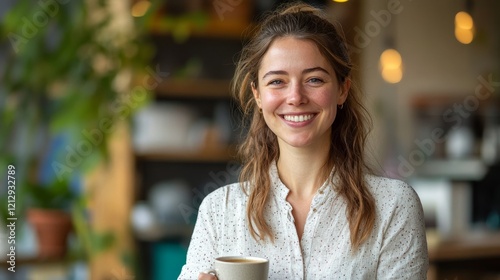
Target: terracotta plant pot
52	228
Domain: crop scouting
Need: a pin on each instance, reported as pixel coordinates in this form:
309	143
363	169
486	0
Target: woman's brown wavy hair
260	149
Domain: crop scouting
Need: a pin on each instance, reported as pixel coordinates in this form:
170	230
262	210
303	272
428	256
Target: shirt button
321	192
314	210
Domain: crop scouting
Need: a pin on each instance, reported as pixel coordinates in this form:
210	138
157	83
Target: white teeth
295	118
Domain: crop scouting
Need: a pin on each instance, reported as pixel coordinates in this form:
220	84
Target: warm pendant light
391	66
390	62
464	27
464	24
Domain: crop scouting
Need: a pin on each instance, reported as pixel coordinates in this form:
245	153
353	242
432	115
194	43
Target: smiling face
298	93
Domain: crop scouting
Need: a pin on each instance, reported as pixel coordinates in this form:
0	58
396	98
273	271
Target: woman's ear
256	94
344	87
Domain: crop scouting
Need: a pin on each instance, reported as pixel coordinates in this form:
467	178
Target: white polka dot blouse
396	249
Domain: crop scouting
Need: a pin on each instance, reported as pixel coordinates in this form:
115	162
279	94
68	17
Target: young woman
306	199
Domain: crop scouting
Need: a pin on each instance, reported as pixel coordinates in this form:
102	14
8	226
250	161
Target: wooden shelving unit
470	256
194	88
208	154
213	41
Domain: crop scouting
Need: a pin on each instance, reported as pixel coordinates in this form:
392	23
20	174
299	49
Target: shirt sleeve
202	248
404	249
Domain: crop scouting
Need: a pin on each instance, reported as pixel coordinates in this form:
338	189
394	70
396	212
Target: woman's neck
303	170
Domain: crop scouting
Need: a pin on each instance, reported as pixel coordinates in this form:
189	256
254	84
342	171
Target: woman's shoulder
379	184
225	194
226	203
390	192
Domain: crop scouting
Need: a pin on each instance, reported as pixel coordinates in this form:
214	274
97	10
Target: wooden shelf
466	247
196	88
472	255
208	154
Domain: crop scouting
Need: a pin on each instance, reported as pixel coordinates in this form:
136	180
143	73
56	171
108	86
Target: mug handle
211	271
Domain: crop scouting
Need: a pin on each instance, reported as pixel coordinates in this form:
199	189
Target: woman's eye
315	80
275	82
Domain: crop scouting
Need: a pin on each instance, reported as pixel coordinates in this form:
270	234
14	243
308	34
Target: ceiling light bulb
391	66
464	27
392	76
390	58
463	20
464	36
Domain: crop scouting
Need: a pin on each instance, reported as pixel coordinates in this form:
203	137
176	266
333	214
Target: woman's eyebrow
309	70
305	71
277	72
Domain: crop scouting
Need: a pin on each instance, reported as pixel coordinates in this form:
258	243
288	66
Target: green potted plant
49	217
67	81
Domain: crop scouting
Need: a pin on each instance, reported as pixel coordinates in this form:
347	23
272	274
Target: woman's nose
296	95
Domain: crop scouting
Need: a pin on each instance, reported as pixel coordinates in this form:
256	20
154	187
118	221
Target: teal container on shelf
168	259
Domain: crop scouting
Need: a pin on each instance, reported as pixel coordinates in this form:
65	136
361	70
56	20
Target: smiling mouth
298	118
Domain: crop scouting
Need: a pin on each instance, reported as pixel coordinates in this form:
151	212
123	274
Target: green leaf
57	195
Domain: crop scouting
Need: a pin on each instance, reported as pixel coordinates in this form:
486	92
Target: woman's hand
206	276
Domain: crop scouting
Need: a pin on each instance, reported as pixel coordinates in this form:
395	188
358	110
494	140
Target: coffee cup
241	268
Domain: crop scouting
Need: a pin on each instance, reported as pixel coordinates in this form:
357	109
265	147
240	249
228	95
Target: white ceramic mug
241	268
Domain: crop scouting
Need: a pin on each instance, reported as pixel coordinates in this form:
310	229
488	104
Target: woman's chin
297	143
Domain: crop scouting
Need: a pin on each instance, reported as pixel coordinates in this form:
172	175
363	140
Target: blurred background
117	120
